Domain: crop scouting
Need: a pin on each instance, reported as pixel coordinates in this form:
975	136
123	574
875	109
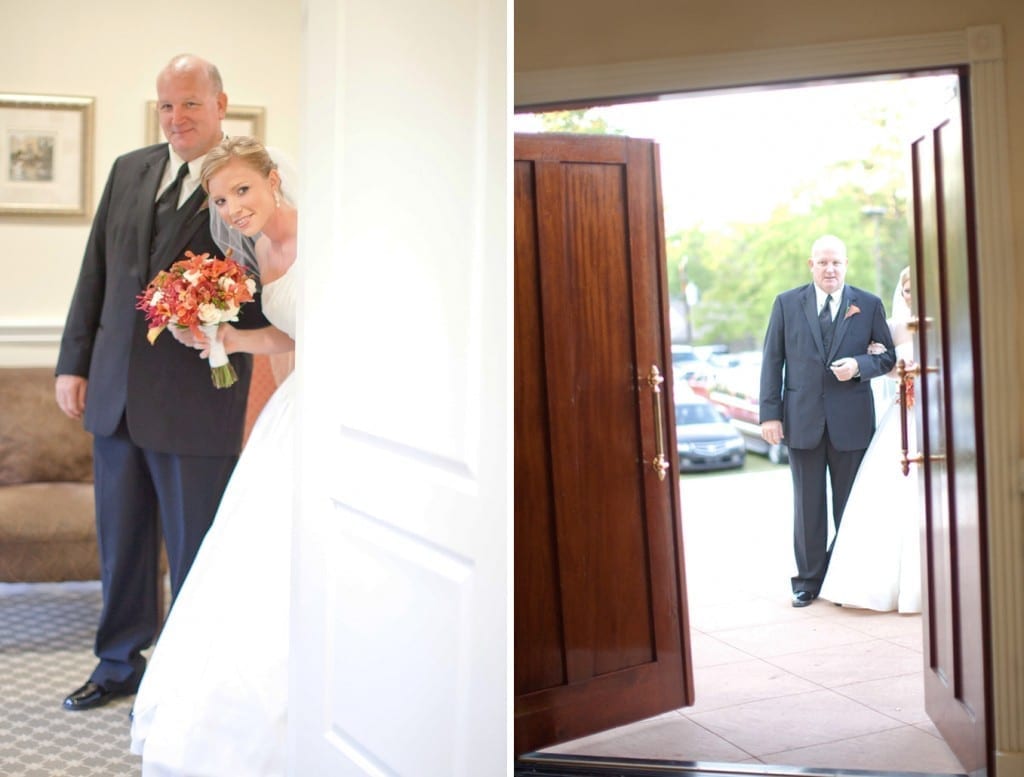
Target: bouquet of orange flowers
199	293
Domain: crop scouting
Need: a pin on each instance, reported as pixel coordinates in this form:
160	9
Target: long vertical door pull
660	462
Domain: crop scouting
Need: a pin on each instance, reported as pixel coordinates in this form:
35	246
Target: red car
734	391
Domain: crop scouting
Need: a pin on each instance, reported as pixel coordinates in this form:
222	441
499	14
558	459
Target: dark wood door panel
951	441
558	715
600	615
539	638
603	542
587	149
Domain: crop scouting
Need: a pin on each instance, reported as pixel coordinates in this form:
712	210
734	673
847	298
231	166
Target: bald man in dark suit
165	440
816	395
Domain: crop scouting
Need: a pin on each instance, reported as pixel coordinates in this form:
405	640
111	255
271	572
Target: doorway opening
822	686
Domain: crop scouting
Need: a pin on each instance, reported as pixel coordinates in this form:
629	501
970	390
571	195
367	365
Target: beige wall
587	32
111	50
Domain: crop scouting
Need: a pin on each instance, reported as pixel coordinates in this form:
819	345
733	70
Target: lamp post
875	213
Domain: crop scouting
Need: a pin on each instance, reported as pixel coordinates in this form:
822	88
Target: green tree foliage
581	121
740	270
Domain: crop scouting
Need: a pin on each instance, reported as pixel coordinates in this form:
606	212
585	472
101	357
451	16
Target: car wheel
775	454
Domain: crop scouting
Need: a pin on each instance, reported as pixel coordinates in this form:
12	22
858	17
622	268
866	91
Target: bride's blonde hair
242	147
900	309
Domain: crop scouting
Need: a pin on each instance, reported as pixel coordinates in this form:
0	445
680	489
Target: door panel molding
980	48
601	634
950	438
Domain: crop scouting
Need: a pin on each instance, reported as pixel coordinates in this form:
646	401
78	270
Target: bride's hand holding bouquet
195	296
199	339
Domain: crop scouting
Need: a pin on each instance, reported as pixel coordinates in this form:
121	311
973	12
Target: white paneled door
400	562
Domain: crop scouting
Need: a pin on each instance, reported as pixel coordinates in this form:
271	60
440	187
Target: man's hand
70	391
845	369
771	432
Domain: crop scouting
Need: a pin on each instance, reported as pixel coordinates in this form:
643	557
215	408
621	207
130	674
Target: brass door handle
906	376
914	323
659	463
918	458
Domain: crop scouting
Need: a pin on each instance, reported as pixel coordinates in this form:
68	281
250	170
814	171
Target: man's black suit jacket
797	386
164	389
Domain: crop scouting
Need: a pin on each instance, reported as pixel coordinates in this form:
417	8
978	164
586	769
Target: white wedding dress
876	557
213	700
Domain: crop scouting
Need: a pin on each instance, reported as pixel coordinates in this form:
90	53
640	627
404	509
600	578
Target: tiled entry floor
820	686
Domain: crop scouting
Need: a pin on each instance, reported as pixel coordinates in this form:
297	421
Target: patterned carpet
46	636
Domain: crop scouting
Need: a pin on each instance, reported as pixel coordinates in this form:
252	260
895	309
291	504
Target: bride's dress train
213	700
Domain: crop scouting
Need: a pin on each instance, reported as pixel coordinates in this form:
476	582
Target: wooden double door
601	636
600	607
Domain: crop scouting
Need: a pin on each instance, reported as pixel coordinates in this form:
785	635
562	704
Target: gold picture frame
238	120
45	155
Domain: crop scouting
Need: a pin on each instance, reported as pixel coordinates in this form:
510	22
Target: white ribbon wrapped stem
218	356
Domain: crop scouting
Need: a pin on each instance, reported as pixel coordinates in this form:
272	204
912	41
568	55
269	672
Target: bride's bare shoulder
273	260
900	331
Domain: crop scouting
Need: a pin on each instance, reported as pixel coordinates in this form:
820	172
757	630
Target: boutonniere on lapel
851	310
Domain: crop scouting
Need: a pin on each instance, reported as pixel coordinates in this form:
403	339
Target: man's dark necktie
167	203
825	319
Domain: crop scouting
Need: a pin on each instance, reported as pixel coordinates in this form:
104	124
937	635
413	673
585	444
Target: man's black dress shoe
802	598
88	696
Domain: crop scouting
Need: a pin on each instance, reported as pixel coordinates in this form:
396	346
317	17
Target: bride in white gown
213	700
876	558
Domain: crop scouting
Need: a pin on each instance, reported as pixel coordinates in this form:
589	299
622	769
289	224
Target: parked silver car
705	438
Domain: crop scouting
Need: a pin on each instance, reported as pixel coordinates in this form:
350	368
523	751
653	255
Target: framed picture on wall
238	120
45	155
